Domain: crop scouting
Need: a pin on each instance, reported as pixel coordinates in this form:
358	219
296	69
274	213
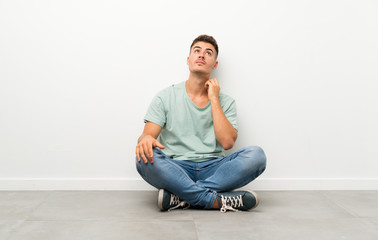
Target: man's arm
225	133
147	141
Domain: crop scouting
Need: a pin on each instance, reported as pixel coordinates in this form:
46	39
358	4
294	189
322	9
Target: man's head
203	55
207	39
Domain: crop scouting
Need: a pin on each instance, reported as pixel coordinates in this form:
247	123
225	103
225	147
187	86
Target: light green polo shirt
187	130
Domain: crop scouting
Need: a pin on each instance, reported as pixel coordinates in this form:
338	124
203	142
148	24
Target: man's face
202	58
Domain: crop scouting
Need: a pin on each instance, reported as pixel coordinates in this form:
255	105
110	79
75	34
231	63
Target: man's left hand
213	88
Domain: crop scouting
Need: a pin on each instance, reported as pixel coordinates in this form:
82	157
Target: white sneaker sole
160	199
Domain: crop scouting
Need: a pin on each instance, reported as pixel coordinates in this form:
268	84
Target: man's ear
215	65
187	61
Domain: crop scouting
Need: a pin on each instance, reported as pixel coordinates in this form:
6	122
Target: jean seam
197	172
214	164
182	165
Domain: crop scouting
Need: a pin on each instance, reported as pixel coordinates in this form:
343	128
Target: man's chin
200	71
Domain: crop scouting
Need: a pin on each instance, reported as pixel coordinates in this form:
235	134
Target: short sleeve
231	114
156	112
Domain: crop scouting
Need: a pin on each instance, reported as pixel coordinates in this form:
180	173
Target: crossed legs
199	183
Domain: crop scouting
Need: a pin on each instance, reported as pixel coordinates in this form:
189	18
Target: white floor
109	215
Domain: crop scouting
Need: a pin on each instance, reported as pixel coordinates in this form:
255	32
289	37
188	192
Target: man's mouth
200	62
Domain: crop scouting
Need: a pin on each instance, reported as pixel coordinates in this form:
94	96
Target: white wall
76	77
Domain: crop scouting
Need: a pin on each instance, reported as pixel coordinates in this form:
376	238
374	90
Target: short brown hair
207	39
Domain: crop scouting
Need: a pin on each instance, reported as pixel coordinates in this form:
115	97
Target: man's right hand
145	148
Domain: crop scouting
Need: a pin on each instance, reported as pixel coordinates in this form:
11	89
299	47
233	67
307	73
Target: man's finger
142	154
137	154
157	144
147	152
150	153
144	158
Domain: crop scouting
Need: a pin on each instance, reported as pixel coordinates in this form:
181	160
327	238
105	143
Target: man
195	123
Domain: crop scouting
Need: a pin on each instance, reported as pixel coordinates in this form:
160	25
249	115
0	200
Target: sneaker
239	200
169	201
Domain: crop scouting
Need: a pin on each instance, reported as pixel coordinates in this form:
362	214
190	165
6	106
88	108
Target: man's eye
208	53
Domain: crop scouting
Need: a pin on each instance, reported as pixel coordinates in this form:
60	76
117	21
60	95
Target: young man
195	123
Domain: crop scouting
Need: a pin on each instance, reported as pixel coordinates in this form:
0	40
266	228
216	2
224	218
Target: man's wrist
214	99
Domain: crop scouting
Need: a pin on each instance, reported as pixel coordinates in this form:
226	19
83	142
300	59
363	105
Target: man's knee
257	155
157	155
158	161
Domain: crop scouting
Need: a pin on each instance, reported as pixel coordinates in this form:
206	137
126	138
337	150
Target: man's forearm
225	133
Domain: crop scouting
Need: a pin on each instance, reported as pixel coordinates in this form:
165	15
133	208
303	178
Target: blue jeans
199	183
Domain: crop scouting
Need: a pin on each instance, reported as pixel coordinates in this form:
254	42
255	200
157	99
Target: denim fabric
199	183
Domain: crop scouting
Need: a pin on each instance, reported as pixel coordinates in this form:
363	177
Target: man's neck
195	86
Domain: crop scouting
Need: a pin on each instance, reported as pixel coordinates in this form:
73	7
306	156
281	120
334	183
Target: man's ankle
215	204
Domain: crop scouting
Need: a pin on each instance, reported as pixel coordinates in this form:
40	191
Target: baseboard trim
138	184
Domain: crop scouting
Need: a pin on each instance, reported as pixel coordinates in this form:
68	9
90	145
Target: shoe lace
175	200
230	203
